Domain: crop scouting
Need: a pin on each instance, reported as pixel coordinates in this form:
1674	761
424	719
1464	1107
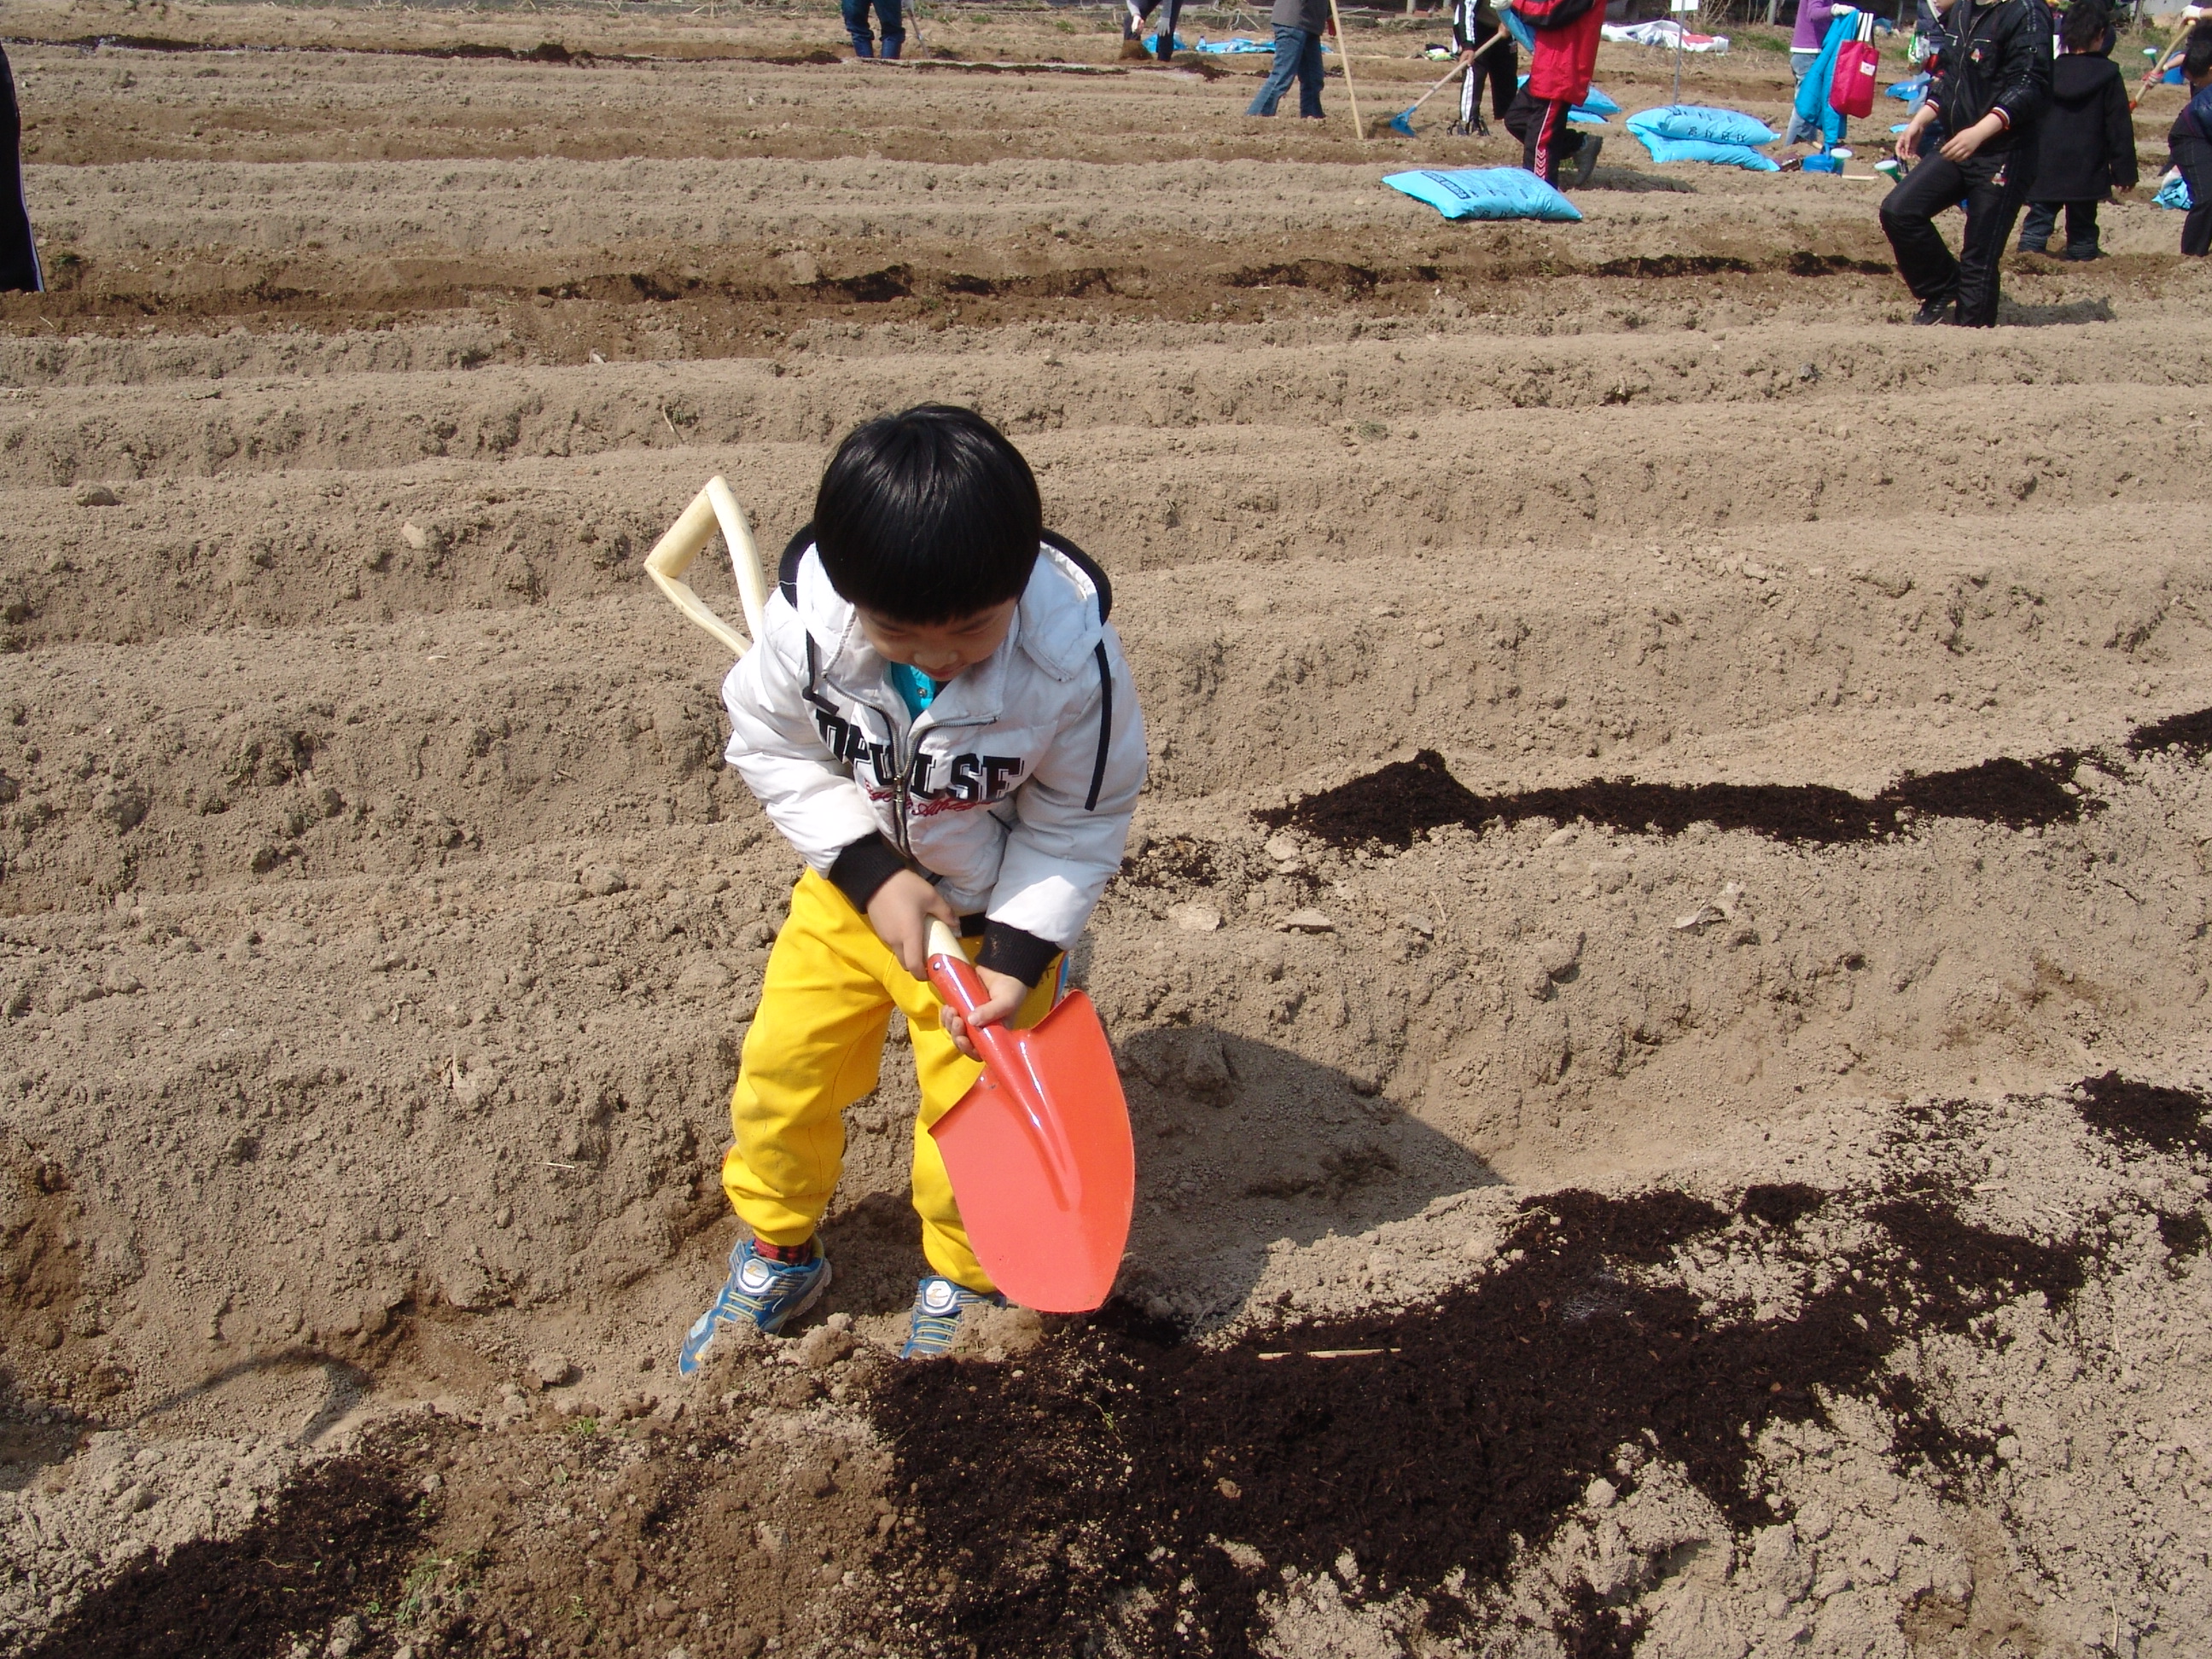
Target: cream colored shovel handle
713	508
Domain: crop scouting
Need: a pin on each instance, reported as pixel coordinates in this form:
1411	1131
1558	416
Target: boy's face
943	650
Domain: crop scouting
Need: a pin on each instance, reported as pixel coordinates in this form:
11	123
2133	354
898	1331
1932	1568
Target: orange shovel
1039	1150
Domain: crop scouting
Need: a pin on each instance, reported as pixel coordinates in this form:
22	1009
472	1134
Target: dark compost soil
1100	1478
2128	1113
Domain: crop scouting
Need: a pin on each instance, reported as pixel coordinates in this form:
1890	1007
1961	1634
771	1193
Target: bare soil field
1661	974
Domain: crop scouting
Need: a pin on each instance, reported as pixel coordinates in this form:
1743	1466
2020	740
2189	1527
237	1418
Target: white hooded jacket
1012	791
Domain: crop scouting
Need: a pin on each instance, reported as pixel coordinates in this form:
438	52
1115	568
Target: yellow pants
815	1047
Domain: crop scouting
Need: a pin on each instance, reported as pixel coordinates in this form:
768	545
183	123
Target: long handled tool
1343	50
2173	51
1039	1150
1402	122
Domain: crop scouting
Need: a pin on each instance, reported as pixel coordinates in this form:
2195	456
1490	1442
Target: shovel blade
1042	1254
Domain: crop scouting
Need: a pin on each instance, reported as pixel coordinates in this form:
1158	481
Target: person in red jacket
1560	71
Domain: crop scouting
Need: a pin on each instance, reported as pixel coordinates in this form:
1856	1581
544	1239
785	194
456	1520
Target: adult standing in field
888	14
2086	147
1992	80
19	254
1476	24
2190	142
1134	16
1300	25
1559	71
1805	43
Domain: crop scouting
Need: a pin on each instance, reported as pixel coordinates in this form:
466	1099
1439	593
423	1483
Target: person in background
1475	25
1992	79
1133	15
1805	42
19	254
1299	26
887	13
2190	142
2085	143
1559	71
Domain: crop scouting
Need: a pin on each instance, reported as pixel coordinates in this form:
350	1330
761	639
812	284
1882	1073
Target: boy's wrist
1015	952
859	872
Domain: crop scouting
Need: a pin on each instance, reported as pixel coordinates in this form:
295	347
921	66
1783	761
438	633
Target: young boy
1559	71
1475	23
2086	143
1992	79
2190	142
938	717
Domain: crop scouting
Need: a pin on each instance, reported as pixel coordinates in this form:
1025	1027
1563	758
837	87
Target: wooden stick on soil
1344	51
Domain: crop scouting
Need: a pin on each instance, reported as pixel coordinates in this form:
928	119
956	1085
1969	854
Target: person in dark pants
1300	25
19	254
888	14
2190	142
2086	142
1559	71
1134	16
1992	78
1474	24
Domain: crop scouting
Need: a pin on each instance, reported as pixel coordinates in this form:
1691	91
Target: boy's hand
1007	995
900	913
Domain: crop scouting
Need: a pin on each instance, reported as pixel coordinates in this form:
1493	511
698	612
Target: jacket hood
1056	626
2080	78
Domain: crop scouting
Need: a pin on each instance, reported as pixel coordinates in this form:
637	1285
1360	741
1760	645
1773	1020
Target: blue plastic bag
1700	121
1664	149
1486	193
2174	193
1152	42
1910	91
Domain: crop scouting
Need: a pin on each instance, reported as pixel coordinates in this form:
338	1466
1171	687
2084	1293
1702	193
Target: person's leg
1505	78
19	251
1289	45
1992	207
812	1050
2035	227
1164	50
1549	140
946	1075
1311	72
1800	130
856	25
2081	230
894	22
1908	216
2194	157
1470	97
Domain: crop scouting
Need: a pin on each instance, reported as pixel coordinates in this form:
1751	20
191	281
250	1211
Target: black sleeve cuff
1008	949
863	867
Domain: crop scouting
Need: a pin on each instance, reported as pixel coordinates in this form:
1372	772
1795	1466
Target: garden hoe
1039	1151
1402	122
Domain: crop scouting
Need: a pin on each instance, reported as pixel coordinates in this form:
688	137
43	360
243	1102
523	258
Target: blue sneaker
938	1306
767	1294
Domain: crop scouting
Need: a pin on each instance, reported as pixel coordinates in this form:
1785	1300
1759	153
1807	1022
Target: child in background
1805	43
2190	140
2086	146
1475	25
938	717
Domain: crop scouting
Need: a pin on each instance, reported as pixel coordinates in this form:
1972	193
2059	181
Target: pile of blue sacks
1697	132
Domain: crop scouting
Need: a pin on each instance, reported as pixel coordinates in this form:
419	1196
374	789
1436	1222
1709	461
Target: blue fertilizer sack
1235	45
1701	121
1596	107
2174	193
1486	193
1665	150
1912	91
1152	42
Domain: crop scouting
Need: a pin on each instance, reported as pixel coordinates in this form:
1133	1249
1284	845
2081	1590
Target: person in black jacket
1474	22
1992	78
19	254
2085	143
2190	140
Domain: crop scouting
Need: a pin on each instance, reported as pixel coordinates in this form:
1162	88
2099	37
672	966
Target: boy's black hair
2196	56
927	516
2085	24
